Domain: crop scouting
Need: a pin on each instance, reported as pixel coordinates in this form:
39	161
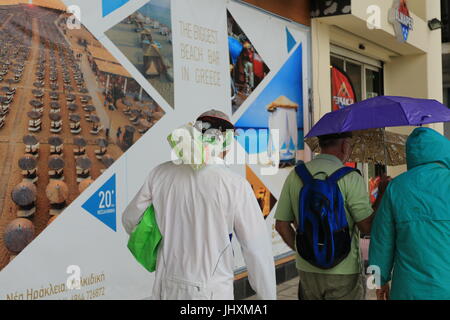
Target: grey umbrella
55	141
89	108
24	194
34	115
86	97
38	84
55	162
55	116
79	141
84	90
84	162
55	105
94	118
102	142
107	160
37	92
27	163
5	89
72	107
36	103
74	117
70	97
30	140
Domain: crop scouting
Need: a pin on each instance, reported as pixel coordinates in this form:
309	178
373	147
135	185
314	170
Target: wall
295	10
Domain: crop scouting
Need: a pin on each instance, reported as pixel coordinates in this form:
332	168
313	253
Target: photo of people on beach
246	66
68	110
145	38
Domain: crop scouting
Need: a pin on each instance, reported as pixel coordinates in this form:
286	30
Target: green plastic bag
145	239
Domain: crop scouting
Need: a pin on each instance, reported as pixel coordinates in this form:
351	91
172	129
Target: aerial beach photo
68	110
145	38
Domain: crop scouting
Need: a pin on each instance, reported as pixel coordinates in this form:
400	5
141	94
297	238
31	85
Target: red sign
342	91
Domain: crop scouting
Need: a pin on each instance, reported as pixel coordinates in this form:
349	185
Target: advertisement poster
342	91
89	92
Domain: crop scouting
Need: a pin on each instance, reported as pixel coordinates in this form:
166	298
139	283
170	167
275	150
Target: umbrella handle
424	117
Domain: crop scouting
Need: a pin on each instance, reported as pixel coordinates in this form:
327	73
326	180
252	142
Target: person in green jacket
410	238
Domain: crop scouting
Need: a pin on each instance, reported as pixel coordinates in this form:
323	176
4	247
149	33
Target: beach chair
56	127
56	150
75	128
83	174
30	175
26	212
2	123
56	174
79	152
100	152
34	128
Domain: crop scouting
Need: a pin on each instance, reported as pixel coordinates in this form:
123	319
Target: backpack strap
304	174
338	174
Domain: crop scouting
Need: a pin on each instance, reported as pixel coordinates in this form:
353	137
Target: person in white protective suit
283	117
199	208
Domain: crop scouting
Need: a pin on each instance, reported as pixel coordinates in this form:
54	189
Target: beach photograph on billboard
265	198
145	38
278	107
247	69
68	111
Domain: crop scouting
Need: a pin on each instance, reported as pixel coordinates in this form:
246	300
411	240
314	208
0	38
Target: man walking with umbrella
343	279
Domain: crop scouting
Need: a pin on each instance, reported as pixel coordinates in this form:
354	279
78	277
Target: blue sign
102	204
109	6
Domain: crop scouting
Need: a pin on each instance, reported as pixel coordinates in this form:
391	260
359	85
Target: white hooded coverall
196	211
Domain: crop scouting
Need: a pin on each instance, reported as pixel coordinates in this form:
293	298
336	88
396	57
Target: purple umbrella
381	112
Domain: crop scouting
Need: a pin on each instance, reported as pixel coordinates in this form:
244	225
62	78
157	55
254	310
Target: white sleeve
136	208
251	232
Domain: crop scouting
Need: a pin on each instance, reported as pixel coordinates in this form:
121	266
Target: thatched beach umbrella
84	162
24	194
74	117
34	115
72	107
56	162
102	142
94	118
89	108
55	141
27	162
36	103
55	105
107	160
57	191
18	234
79	141
37	92
30	140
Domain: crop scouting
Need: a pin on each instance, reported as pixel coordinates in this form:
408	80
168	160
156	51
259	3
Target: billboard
86	112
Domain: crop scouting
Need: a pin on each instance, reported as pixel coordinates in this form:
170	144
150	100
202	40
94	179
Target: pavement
289	291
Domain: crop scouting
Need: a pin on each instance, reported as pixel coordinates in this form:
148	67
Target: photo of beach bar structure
145	38
65	117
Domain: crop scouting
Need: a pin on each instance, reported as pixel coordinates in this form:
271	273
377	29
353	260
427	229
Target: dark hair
330	140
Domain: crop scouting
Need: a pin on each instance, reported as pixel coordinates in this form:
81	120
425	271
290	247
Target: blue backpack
323	238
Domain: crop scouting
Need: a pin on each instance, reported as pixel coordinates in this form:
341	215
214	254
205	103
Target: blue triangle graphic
109	6
290	40
102	204
287	82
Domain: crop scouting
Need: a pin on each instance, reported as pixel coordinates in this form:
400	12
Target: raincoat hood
426	145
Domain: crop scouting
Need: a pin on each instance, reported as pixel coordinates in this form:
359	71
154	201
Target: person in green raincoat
410	238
